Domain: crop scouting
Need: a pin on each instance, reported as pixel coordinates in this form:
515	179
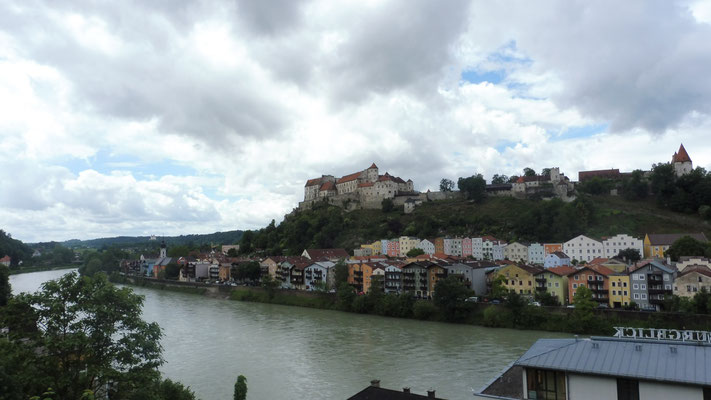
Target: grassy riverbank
41	268
507	315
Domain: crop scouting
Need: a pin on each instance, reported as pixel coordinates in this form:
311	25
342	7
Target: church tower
163	249
682	162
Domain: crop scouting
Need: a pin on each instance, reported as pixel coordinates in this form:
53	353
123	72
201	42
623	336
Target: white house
556	259
516	252
615	244
536	253
319	275
453	246
426	246
407	243
493	249
477	248
583	248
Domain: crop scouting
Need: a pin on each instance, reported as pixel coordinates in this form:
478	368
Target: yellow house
407	243
519	278
375	247
619	290
554	281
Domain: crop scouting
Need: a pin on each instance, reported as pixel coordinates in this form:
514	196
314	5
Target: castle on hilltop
682	162
365	189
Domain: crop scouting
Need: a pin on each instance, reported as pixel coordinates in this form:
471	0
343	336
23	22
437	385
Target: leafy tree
596	186
529	172
232	252
449	296
340	271
446	185
583	314
687	246
499	179
545	298
498	288
474	187
172	270
546	172
663	183
5	288
178	251
270	285
345	296
62	255
517	305
240	388
701	303
387	205
91	336
635	187
629	255
415	252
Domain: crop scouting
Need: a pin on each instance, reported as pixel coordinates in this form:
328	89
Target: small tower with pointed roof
163	249
682	162
371	174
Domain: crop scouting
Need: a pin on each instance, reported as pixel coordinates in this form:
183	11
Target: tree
583	314
499	179
663	183
529	172
635	187
232	252
629	255
415	252
91	335
546	172
474	187
270	285
340	271
387	205
62	255
446	185
172	270
240	388
687	246
545	298
498	287
449	296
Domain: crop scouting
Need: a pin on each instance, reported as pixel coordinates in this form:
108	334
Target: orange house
355	276
594	278
550	248
439	245
434	274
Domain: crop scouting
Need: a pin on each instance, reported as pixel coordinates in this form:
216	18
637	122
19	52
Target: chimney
375	383
406	390
431	394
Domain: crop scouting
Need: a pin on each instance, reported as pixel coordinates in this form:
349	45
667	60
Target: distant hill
217	238
505	218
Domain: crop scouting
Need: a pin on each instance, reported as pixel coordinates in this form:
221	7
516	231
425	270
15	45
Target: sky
167	117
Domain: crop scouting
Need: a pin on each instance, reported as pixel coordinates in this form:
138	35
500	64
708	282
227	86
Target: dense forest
229	237
13	248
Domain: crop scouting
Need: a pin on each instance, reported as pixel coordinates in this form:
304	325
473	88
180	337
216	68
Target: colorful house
556	259
692	280
619	289
439	245
554	281
519	278
550	248
393	248
414	278
435	272
594	278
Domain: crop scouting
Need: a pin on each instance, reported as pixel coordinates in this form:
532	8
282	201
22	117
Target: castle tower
371	174
682	162
555	174
162	250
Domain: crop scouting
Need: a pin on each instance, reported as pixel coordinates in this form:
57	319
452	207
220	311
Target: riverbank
41	268
523	317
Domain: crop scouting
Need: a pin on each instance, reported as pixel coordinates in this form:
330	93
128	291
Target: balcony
656	301
541	280
541	288
654	278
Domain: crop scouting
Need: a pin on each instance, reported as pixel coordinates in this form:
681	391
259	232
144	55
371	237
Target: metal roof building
606	367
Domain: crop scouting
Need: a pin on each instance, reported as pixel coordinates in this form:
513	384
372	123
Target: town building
393	277
556	259
519	278
686	261
632	365
549	248
692	280
319	276
453	246
516	251
466	247
492	248
536	253
617	243
375	392
552	185
407	243
594	278
471	273
619	289
427	246
655	244
583	248
477	248
6	261
393	249
554	281
414	278
650	282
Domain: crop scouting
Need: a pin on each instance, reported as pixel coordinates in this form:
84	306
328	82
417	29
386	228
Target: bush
498	317
424	310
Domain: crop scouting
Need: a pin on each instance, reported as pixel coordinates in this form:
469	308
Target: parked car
570	306
496	301
472	299
536	303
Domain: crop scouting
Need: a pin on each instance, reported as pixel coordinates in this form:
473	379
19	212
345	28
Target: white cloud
236	104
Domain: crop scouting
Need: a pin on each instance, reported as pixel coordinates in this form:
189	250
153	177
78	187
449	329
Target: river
301	353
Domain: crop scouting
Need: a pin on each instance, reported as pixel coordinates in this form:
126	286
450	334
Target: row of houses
580	248
612	283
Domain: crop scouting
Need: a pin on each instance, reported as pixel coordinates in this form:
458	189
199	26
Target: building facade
583	248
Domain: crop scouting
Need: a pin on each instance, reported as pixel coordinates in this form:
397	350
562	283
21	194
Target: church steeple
163	249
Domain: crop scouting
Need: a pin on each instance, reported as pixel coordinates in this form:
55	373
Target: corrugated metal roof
690	363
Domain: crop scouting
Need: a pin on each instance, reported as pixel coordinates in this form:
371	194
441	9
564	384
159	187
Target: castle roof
373	166
349	178
681	155
312	182
328	186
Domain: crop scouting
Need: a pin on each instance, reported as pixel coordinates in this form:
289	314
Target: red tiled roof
373	166
312	182
600	173
681	155
385	177
349	178
328	186
317	254
702	269
598	260
601	269
5	259
561	271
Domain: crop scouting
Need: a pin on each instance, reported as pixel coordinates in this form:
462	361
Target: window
636	296
644	296
590	277
667	287
666	277
613	284
599	277
544	384
575	286
625	293
635	286
624	284
627	389
641	277
557	284
643	286
576	277
634	277
614	293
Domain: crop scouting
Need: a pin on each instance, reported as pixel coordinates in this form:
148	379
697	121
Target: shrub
423	309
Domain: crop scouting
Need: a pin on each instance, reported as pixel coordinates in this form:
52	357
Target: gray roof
655	360
657	239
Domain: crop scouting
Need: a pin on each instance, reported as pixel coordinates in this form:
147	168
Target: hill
229	237
506	218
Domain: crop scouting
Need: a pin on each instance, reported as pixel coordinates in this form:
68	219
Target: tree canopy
446	185
474	187
688	246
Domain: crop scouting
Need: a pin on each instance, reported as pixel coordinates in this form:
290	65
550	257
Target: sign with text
662	334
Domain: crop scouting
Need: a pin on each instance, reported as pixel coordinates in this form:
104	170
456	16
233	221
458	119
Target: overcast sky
166	117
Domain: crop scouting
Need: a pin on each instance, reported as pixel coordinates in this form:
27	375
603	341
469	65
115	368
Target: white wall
661	391
585	387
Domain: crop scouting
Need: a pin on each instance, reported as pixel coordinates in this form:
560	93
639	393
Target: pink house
393	248
466	247
6	261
